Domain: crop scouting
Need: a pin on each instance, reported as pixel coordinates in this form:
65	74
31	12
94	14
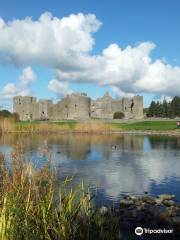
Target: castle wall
138	107
44	109
106	107
77	106
29	108
74	106
60	110
102	107
133	107
24	106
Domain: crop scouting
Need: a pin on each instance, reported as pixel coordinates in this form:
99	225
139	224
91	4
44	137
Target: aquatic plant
33	205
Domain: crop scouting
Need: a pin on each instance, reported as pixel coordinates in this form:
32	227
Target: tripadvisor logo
139	231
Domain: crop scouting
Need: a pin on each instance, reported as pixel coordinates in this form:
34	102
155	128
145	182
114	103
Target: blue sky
123	23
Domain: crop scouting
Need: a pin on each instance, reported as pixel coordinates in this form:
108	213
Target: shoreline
151	132
133	132
148	212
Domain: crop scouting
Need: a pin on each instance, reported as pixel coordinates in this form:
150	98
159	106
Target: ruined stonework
29	108
77	106
106	107
74	106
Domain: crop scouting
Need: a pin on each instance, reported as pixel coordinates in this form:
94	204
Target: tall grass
7	124
63	127
33	206
93	127
41	127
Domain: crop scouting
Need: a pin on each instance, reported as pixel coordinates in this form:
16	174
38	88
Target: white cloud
65	45
60	88
120	94
27	76
22	88
128	71
48	41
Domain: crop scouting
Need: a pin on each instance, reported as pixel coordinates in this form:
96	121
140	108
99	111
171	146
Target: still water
111	165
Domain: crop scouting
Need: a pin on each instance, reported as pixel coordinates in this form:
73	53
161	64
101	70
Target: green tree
175	105
5	113
159	110
151	110
165	108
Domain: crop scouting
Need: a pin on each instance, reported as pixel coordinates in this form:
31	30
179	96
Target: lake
111	165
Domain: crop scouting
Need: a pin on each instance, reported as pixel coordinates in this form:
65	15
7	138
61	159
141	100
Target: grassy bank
147	125
33	206
93	126
8	125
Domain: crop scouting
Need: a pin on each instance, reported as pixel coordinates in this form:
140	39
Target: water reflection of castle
131	167
78	146
73	146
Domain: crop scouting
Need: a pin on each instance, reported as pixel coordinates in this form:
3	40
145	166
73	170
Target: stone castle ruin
78	106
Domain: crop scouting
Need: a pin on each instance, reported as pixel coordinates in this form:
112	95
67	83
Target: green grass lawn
147	125
71	124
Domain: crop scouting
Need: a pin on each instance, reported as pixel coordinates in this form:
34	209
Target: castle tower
78	106
24	106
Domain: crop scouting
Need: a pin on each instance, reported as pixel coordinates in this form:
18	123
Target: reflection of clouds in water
6	151
131	167
136	174
130	173
120	175
161	165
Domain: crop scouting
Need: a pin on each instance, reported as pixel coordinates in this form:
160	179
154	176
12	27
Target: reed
42	127
64	127
34	206
93	127
7	124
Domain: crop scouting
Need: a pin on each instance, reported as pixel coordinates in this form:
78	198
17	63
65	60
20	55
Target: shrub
6	114
118	115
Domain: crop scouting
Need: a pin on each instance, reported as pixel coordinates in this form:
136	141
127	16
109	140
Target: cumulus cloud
48	41
21	88
65	45
119	93
27	76
60	88
128	71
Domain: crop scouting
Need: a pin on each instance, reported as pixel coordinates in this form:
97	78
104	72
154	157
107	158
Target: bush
6	114
15	116
118	115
